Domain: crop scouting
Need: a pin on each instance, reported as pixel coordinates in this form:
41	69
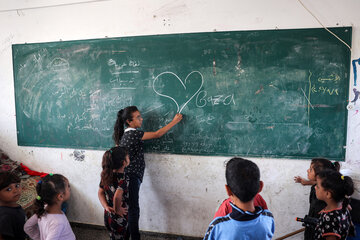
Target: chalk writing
205	119
309	97
57	64
116	70
332	78
324	90
202	99
198	142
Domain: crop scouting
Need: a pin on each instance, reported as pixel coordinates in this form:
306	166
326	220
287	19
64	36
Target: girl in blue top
132	139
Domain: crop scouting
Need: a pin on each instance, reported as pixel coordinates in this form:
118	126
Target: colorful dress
333	223
114	223
316	206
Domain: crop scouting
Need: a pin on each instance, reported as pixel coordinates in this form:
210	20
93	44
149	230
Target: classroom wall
180	193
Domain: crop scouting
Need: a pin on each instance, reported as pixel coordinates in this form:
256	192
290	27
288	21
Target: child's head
332	185
243	178
53	188
124	116
10	189
113	159
319	164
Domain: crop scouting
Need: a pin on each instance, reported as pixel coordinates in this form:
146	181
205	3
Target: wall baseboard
144	233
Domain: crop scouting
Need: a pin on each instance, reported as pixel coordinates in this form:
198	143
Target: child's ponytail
123	116
118	127
39	202
47	189
348	189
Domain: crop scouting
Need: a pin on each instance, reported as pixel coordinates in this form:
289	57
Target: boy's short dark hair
243	178
7	178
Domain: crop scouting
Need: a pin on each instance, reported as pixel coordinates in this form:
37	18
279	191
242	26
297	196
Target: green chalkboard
275	93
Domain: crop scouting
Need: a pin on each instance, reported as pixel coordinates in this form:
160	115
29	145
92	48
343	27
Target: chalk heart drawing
179	84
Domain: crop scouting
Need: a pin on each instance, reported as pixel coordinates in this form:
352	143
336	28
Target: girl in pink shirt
49	222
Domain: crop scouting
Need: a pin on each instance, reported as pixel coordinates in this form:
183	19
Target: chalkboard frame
155	142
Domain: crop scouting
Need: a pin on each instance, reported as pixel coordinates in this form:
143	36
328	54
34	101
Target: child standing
245	221
316	205
334	189
132	139
49	222
113	192
12	216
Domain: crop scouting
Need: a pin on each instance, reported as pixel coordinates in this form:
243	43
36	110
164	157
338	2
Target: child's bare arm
303	181
118	203
101	195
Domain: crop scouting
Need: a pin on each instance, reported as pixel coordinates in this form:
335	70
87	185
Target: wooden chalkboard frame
280	66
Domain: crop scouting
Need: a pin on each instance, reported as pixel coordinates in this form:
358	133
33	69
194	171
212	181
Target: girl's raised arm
303	181
159	133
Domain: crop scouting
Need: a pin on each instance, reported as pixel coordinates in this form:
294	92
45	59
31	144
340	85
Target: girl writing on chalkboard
113	191
132	139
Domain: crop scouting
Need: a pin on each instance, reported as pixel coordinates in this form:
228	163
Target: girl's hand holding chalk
178	117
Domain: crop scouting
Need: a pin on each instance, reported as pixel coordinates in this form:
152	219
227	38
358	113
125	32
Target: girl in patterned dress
113	191
316	166
334	189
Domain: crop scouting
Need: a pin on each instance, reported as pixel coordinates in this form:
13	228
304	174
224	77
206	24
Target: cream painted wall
180	193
